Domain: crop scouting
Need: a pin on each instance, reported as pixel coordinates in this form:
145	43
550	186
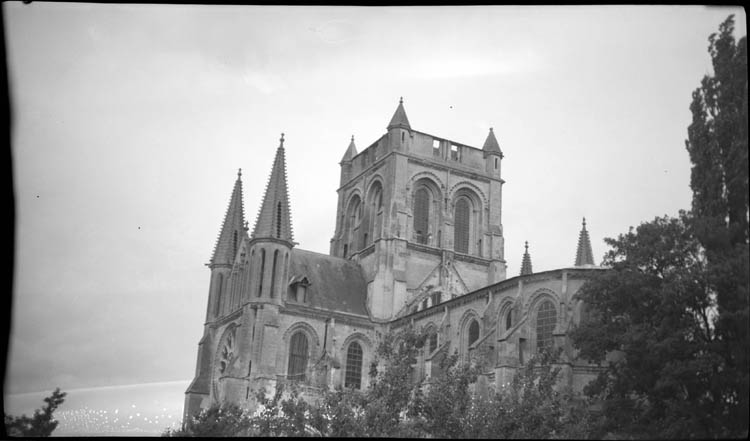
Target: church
418	241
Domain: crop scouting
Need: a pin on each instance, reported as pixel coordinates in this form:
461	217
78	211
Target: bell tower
421	215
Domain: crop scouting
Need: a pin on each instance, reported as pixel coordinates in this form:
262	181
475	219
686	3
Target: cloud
462	66
264	82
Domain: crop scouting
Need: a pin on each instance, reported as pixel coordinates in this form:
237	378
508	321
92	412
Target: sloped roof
234	222
399	117
490	144
274	216
351	151
336	284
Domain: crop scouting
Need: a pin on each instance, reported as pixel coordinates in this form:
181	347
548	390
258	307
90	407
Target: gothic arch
535	301
357	336
431	331
355	361
353	213
372	217
426	175
467	213
226	353
307	328
426	207
470	187
506	307
537	296
463	331
313	345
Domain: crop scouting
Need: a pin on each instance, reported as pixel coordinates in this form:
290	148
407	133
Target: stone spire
274	218
491	145
526	263
350	152
399	118
584	256
233	228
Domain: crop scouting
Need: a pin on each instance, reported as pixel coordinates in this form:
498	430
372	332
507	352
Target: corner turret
399	129
492	154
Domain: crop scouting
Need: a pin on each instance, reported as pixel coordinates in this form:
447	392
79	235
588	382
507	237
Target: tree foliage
399	404
671	317
42	424
718	147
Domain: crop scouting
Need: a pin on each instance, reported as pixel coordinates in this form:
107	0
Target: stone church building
418	240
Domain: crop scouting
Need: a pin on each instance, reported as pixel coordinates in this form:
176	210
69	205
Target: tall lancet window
297	357
353	377
234	245
373	214
473	332
217	302
546	318
462	218
262	270
422	214
273	272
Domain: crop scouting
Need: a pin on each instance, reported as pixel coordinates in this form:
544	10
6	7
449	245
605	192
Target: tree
42	424
671	317
650	316
217	420
718	147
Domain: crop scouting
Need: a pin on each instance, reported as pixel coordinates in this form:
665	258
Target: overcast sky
130	122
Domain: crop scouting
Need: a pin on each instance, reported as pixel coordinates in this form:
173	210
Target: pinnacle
232	229
490	144
399	117
351	151
274	216
526	262
584	255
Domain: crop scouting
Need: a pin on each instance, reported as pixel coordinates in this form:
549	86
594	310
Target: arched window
546	318
461	219
353	377
262	270
373	214
509	319
297	357
353	219
473	332
421	214
432	342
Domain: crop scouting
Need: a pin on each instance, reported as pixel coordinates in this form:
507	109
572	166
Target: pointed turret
274	216
491	145
526	263
233	228
399	117
350	152
584	256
